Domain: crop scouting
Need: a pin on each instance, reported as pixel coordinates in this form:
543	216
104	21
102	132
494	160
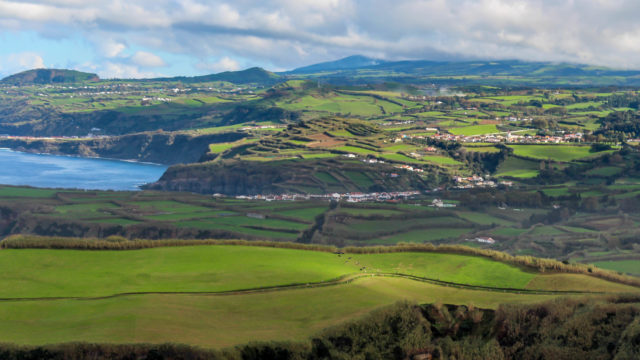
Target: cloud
17	62
112	48
224	64
147	59
26	60
290	33
113	70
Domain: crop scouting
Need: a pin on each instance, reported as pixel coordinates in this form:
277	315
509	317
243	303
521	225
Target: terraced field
223	295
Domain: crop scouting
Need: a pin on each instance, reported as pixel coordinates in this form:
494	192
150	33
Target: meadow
562	153
215	295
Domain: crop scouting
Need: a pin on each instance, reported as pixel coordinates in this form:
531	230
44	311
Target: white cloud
224	64
113	70
147	59
289	33
17	62
111	48
26	60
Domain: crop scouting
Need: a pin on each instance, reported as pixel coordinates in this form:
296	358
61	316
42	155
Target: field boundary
346	279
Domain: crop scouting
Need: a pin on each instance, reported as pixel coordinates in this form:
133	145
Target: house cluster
90	136
512	118
395	123
146	101
510	138
372	161
261	127
410	168
475	181
415	97
483	240
441	204
349	197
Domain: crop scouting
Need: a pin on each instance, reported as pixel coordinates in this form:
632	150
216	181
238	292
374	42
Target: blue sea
53	171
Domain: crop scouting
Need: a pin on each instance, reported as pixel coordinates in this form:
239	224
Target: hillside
504	72
254	75
350	62
433	331
227	294
48	76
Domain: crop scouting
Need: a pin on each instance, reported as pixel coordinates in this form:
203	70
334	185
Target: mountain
49	76
360	70
351	62
253	75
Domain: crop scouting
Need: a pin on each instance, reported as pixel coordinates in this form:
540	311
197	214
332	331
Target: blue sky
146	38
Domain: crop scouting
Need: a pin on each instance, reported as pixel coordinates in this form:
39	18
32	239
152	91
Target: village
510	138
353	197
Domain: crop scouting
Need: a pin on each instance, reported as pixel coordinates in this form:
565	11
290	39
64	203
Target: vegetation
541	331
511	161
266	290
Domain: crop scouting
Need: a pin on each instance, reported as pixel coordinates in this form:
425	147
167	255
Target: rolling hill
254	75
361	69
48	76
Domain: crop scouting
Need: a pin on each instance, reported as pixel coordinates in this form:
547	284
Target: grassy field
474	130
625	266
562	153
517	168
221	321
422	236
53	273
214	320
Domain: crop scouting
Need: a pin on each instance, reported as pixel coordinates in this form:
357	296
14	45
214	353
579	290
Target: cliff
161	148
233	177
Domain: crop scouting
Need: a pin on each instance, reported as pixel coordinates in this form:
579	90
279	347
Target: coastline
53	171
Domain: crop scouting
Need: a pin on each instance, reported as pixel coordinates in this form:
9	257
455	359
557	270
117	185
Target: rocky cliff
161	148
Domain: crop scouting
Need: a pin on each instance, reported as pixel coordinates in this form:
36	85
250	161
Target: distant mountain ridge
360	69
49	76
350	62
254	75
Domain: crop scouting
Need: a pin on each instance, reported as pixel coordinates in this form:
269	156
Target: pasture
474	130
517	168
208	293
561	153
630	266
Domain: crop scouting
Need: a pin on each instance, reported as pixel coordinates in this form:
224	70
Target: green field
152	295
562	153
422	236
25	192
474	130
53	273
517	168
221	321
625	266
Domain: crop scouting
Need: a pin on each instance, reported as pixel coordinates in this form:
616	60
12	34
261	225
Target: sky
148	38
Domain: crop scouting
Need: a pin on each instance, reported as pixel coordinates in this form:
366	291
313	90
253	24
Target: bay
54	171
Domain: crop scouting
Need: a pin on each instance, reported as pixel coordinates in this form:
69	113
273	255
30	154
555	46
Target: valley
298	204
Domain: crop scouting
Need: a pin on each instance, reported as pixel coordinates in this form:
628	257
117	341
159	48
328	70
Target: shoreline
84	157
73	172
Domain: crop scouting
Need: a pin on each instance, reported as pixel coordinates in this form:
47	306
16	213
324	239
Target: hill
48	76
364	70
225	295
254	75
351	62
